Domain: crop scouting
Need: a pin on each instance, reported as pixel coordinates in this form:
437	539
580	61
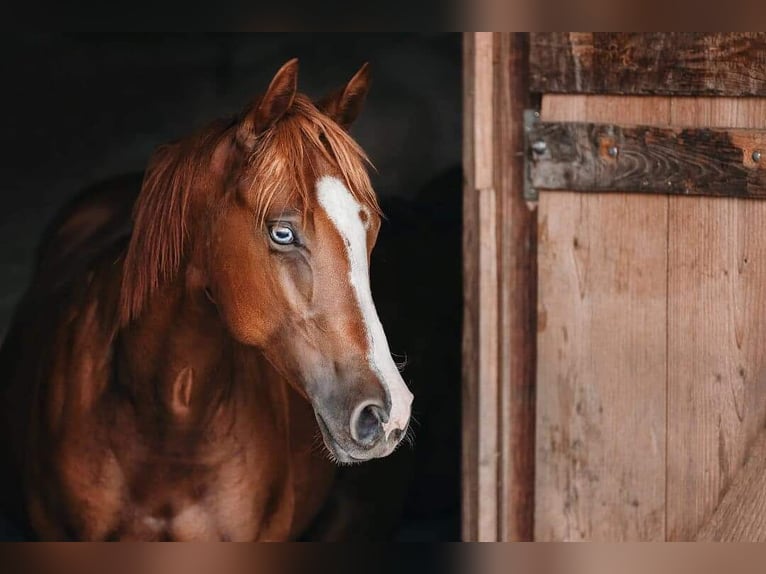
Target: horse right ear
268	109
344	104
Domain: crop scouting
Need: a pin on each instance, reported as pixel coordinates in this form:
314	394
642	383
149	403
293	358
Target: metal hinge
531	118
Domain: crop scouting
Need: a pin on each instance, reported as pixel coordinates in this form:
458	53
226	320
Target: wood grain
517	231
470	342
658	63
716	354
488	447
741	516
480	330
647	159
601	350
500	290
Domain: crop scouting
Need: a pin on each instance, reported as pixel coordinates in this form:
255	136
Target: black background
80	109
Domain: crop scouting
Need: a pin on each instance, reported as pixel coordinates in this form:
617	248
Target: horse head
272	215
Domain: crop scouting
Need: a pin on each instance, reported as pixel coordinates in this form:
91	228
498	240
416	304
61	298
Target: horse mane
160	216
293	142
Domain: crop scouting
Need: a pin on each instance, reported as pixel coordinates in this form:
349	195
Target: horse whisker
409	437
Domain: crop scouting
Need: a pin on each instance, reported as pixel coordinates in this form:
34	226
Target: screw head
613	151
757	156
539	146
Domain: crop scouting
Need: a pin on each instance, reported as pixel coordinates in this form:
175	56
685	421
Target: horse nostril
368	426
396	434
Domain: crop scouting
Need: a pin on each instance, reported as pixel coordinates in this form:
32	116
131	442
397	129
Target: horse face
295	283
298	288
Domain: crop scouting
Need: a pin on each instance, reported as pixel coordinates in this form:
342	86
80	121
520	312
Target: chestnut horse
174	385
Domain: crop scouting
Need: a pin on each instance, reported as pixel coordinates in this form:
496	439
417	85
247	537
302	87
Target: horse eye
281	235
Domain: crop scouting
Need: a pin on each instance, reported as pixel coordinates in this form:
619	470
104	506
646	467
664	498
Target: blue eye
281	235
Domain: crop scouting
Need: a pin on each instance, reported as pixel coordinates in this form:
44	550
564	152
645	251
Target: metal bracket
531	119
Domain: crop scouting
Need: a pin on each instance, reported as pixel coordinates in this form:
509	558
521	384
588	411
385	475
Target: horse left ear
275	102
344	104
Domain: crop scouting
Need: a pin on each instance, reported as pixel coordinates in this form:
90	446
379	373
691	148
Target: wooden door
649	366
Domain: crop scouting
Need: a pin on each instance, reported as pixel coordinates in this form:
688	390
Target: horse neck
177	358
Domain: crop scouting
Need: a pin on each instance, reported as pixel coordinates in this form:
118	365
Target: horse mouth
337	453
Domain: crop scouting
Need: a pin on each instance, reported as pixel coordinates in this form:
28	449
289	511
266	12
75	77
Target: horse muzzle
370	434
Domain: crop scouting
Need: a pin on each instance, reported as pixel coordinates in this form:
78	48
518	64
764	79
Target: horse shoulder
75	481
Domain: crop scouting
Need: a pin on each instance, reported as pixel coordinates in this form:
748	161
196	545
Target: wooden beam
741	516
658	63
517	265
480	448
607	157
499	294
470	350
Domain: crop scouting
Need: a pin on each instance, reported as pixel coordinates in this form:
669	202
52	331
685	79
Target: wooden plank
658	63
480	335
517	231
716	355
487	422
470	342
741	516
601	350
499	268
488	447
646	159
483	110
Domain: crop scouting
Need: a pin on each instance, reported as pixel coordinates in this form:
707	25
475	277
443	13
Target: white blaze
343	211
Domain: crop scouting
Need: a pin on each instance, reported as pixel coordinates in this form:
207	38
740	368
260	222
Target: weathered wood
488	340
741	516
601	350
659	63
498	338
716	332
470	343
685	161
480	330
517	231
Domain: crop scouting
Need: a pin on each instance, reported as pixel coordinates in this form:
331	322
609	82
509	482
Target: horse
199	371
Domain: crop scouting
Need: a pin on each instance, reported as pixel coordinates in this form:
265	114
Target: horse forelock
282	161
285	156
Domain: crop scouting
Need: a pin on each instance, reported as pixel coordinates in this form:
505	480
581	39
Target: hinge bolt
539	146
757	156
613	151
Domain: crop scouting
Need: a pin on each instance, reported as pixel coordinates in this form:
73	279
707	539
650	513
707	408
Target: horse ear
345	103
275	102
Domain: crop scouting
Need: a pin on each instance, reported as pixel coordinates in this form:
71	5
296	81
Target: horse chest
234	488
227	499
125	480
202	505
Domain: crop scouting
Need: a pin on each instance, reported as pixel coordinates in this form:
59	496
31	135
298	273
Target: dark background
81	109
